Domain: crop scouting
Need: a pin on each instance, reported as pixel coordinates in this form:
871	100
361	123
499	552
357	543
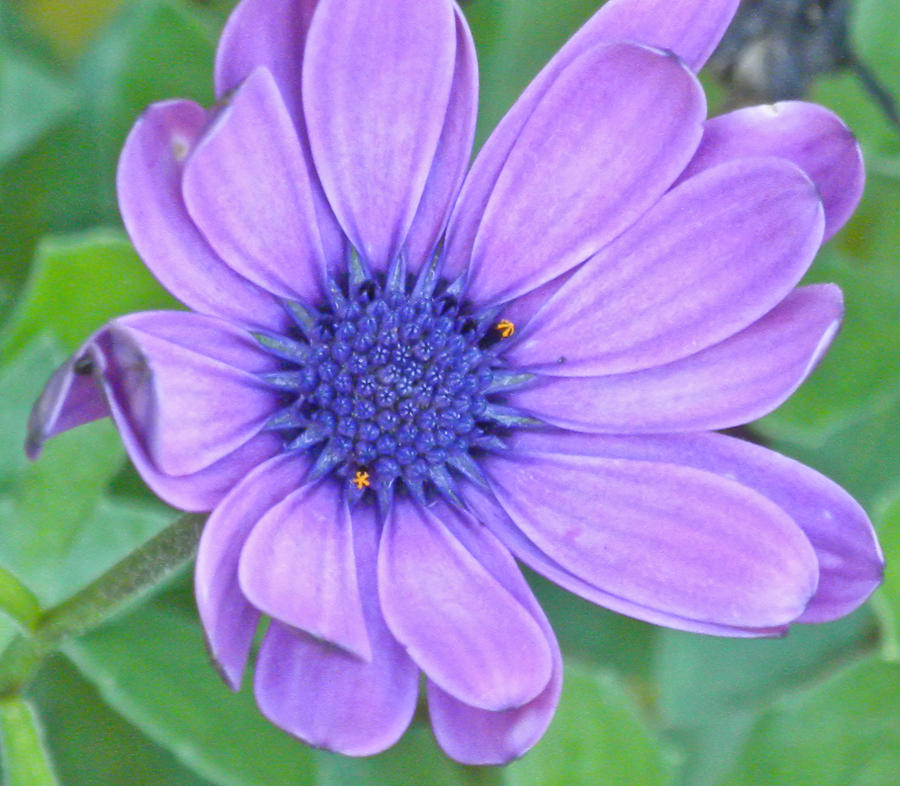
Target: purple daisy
397	378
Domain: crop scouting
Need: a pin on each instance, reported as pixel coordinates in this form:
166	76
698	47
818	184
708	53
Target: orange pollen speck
361	479
506	328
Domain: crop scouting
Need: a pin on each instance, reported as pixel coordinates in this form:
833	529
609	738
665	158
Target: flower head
396	377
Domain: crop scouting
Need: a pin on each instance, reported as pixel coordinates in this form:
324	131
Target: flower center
392	381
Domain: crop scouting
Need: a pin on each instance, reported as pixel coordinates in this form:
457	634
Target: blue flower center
393	383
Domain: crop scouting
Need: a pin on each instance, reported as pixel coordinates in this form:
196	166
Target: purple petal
463	628
486	508
332	699
272	34
634	115
208	336
105	376
850	560
149	189
522	309
729	384
475	736
673	538
228	619
199	491
690	28
376	87
68	400
190	409
708	260
453	152
813	137
247	187
298	566
269	34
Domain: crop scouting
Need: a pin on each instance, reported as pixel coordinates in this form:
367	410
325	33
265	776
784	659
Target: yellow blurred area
67	24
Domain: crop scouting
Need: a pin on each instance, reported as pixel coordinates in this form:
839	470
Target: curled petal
140	370
70	398
729	384
150	200
229	619
328	697
811	136
463	628
709	259
190	409
375	114
298	566
673	538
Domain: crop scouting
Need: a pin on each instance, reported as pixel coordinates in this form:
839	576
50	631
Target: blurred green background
136	701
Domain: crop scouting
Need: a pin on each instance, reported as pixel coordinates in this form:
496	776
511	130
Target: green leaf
862	369
93	746
31	102
25	760
863	456
40	190
708	753
153	50
869	238
37	149
597	736
845	731
704	678
593	635
874	30
416	758
68	292
887	599
712	690
152	667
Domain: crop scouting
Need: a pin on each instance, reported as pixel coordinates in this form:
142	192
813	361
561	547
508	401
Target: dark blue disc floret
392	383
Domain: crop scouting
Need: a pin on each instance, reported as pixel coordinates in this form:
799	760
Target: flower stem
139	572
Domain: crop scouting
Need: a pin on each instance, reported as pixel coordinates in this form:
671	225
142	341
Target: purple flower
397	377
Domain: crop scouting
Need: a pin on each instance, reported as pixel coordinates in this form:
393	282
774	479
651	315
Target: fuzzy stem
139	572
